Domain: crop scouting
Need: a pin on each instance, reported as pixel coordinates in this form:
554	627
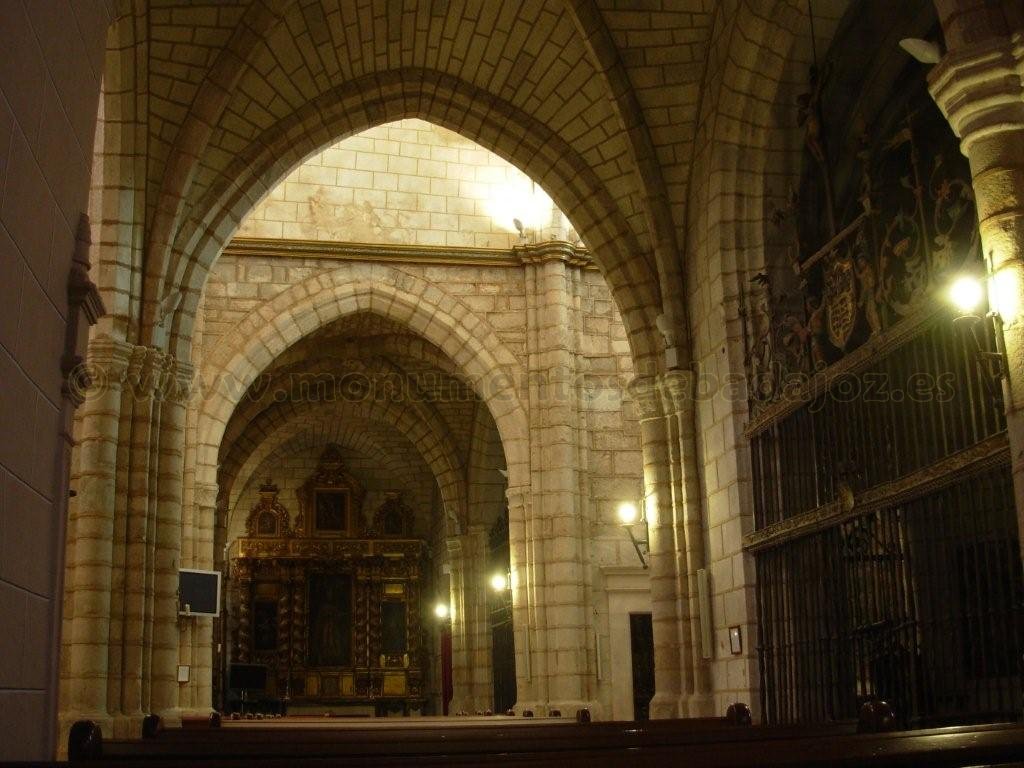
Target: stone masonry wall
745	160
607	443
409	182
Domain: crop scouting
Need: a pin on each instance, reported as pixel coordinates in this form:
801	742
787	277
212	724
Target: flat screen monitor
198	592
248	677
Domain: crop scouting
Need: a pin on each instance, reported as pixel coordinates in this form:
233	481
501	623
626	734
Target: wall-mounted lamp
499	582
967	294
629	516
442	611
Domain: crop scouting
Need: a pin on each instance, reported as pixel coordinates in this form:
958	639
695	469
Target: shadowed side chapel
570	380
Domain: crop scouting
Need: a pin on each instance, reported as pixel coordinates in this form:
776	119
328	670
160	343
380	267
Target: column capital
979	88
553	250
146	370
454	546
177	385
677	391
645	390
109	357
518	496
206	494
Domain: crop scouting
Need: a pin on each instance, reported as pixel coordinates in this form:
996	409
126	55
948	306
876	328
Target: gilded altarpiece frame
324	597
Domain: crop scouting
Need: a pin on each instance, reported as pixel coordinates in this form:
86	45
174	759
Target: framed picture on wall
332	510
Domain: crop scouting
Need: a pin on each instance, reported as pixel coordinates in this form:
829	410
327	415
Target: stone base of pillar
171	717
666	706
699	705
125	726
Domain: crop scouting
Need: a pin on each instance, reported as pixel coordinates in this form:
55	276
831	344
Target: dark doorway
641	644
447	688
503	649
503	660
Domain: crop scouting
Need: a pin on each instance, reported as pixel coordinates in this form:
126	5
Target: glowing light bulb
966	293
441	610
628	513
499	582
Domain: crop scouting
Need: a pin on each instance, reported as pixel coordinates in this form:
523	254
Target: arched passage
364	437
441	319
439	456
446	101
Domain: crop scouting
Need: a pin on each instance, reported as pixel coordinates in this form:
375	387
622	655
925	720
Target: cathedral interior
453	358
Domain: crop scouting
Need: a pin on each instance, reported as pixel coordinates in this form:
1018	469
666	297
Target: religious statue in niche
330	613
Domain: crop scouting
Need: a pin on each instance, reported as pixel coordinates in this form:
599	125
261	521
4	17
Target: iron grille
919	604
904	412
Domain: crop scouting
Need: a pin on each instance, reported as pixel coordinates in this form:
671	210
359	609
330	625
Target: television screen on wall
198	592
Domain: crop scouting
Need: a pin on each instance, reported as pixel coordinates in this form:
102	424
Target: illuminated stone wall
409	182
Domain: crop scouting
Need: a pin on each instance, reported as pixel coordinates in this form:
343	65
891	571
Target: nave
392	362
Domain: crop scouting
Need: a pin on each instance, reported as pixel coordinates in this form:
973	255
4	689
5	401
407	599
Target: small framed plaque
736	640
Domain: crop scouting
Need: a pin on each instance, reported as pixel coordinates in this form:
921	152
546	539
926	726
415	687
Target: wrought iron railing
895	415
919	603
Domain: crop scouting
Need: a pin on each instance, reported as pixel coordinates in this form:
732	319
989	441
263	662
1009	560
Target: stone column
478	627
461	663
170	445
978	86
471	660
524	601
196	640
677	388
135	484
115	670
85	308
665	555
553	416
89	567
127	529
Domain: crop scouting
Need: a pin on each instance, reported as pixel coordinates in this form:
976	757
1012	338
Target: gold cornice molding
305	547
439	255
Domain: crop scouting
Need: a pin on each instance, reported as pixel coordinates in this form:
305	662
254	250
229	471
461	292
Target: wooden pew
942	748
409	738
717	742
412	736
